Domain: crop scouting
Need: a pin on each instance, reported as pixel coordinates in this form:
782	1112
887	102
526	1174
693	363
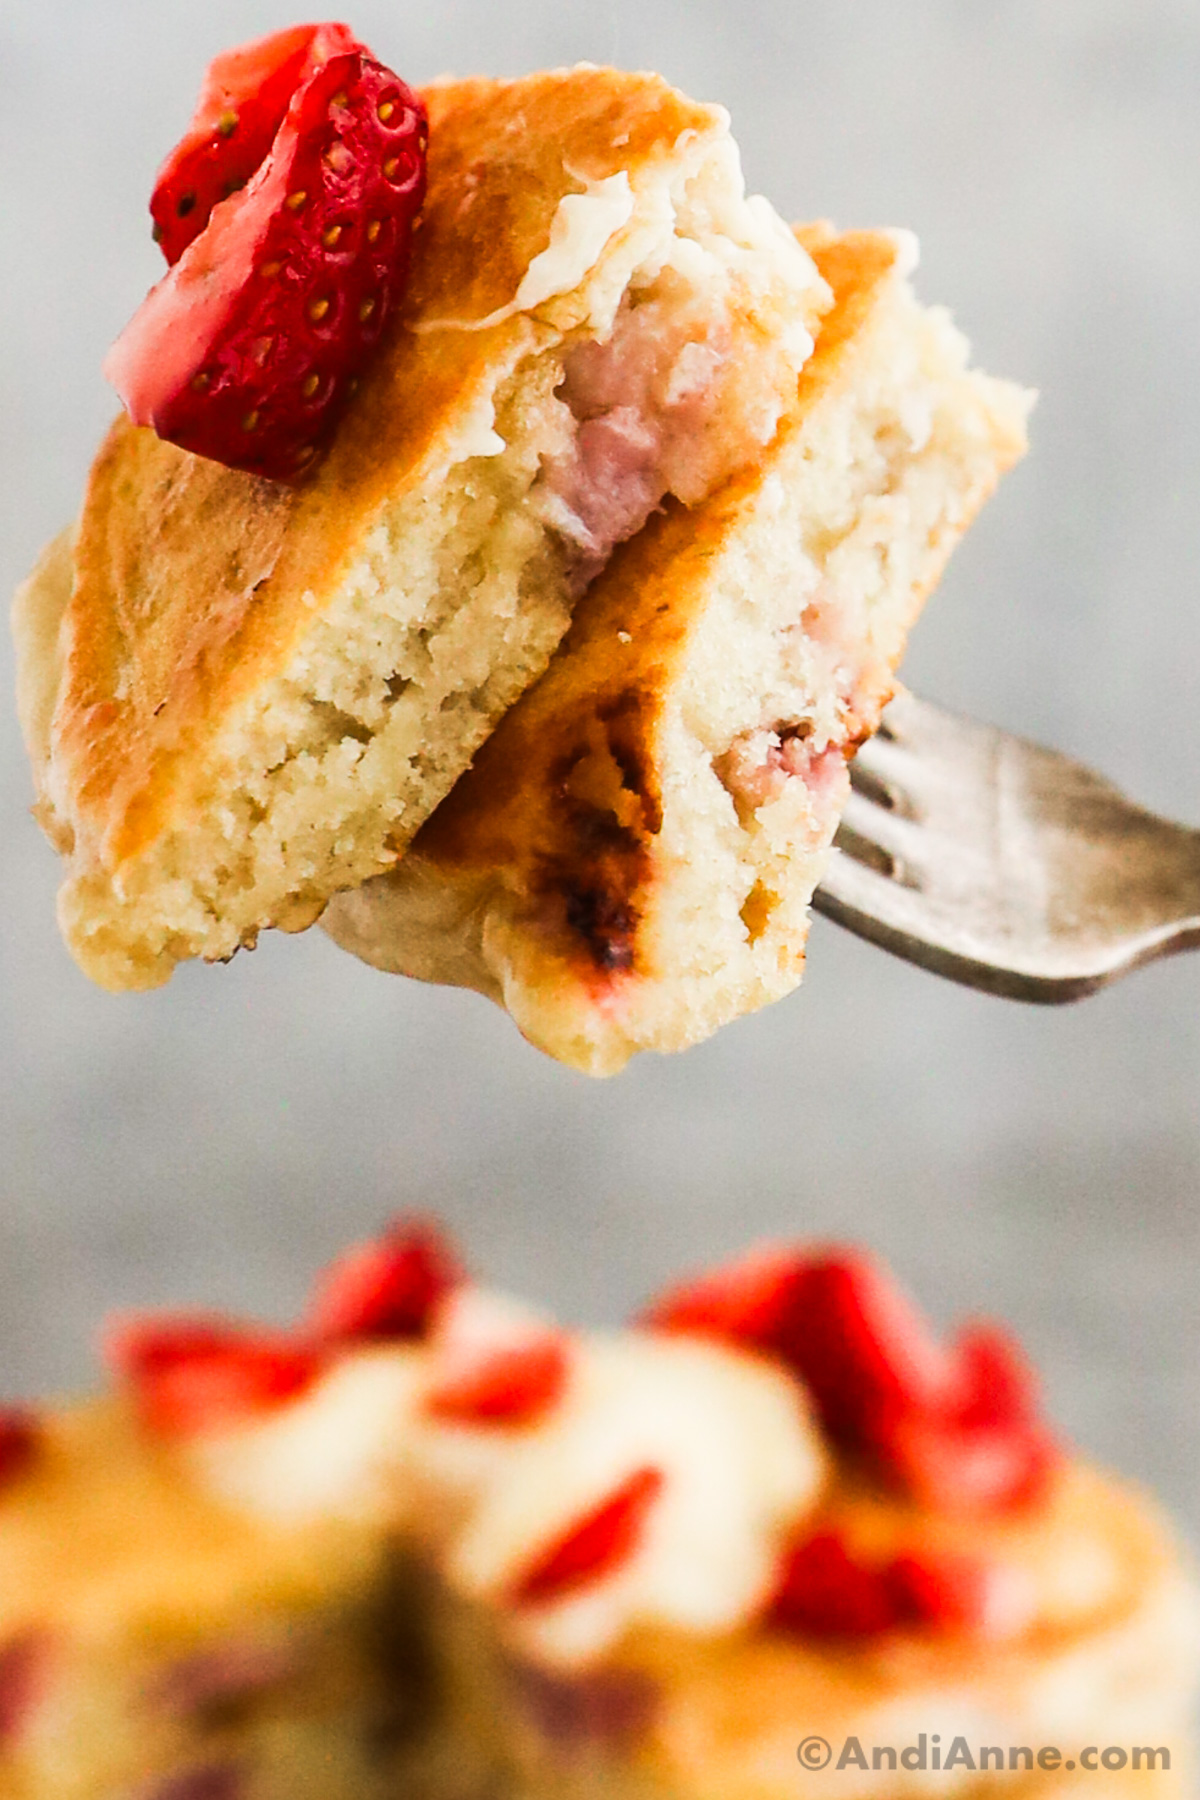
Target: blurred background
213	1141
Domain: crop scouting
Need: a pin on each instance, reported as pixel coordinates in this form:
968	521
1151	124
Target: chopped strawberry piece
955	1467
863	1351
18	1441
940	1591
388	1288
750	1302
516	1384
279	290
956	1427
999	1384
595	1545
24	1666
195	1373
826	1592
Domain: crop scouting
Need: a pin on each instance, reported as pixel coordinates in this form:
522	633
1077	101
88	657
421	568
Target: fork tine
885	829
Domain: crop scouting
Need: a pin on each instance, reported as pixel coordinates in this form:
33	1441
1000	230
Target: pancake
329	1594
250	695
629	863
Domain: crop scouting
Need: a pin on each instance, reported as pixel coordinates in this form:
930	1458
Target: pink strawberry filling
655	413
758	768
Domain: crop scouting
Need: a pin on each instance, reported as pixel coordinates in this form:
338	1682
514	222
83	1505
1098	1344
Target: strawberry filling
18	1441
956	1426
386	1289
195	1373
596	1545
287	216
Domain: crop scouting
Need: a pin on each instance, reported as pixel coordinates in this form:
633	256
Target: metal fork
1002	865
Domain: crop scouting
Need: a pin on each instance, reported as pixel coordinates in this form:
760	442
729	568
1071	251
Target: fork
1002	865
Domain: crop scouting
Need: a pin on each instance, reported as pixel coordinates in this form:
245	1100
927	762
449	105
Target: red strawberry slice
242	104
826	1592
940	1591
863	1350
18	1441
952	1467
749	1302
195	1373
516	1384
999	1384
388	1288
247	350
958	1428
836	1318
595	1545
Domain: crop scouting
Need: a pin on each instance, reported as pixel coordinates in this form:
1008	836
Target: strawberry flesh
195	1373
18	1441
386	1289
517	1384
243	103
826	1589
825	1592
248	349
955	1426
595	1545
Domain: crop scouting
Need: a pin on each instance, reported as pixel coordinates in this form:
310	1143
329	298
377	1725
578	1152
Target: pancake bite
429	1542
629	863
245	687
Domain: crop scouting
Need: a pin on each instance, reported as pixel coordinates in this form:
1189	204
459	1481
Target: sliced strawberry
956	1427
939	1591
749	1302
388	1288
595	1545
18	1441
242	104
515	1384
998	1382
247	349
836	1318
862	1349
195	1373
826	1592
951	1467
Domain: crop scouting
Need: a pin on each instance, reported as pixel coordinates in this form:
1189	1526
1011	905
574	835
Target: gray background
213	1140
